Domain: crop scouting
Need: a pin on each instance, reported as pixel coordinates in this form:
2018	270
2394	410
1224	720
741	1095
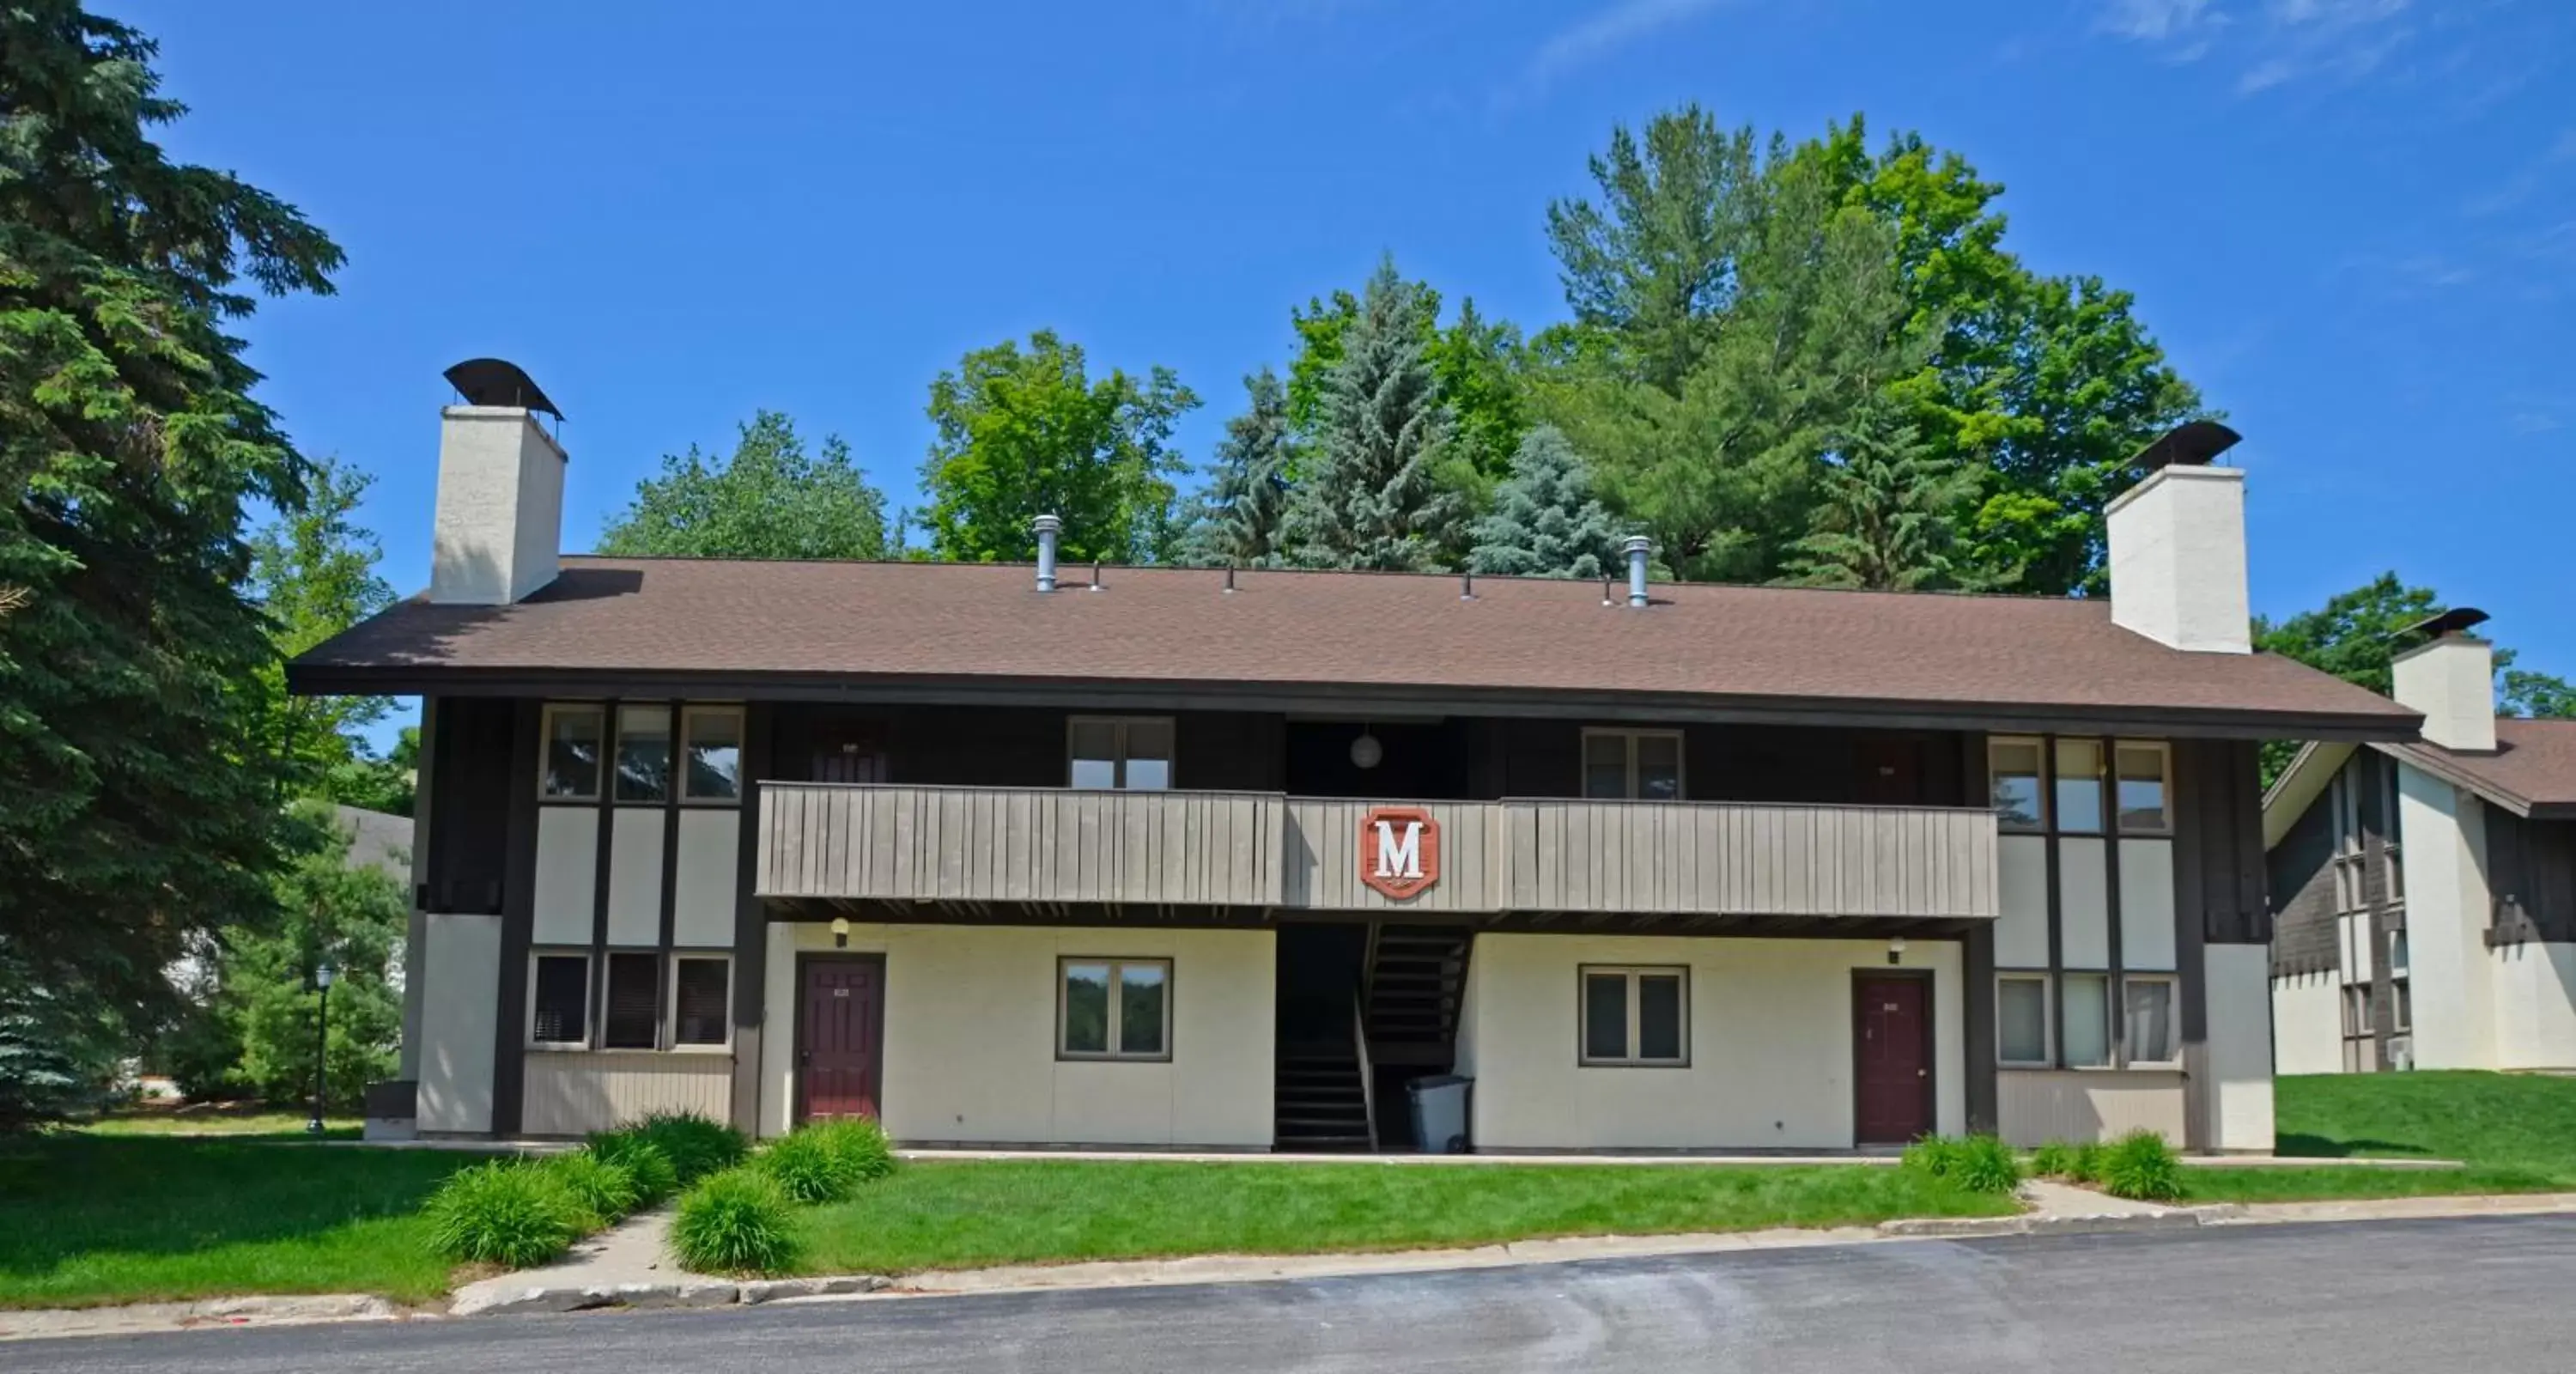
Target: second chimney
2178	546
2451	679
499	524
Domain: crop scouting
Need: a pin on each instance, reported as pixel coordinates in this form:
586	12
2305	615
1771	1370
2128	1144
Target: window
2012	772
712	748
2021	1019
1121	754
559	1001
2149	1004
643	753
572	753
701	991
2356	1010
2079	786
1115	1009
2405	1007
2088	1020
2397	954
629	1013
2141	772
1636	1016
1632	765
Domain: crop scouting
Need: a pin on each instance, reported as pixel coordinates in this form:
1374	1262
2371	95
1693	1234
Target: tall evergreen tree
141	796
1890	514
1238	523
1369	496
768	499
1544	521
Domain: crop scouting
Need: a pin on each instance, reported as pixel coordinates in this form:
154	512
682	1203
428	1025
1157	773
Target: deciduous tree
769	498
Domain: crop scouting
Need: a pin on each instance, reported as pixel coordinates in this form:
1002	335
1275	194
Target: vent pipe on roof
1048	527
1638	547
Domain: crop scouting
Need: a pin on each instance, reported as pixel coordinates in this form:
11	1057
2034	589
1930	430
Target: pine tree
1238	521
1545	522
1368	496
1888	513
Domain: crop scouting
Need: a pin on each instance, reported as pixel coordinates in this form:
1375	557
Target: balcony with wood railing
991	848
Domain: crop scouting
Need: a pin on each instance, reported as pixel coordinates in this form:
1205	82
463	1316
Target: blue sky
2351	222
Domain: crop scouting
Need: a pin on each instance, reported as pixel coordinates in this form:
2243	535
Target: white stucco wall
2177	559
499	520
2084	902
1770	1044
635	876
2535	1005
702	903
2021	935
970	1034
2447	912
2307	1024
2237	1080
567	874
2146	905
461	975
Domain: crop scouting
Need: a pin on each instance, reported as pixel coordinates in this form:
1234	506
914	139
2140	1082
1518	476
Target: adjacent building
2425	890
1195	857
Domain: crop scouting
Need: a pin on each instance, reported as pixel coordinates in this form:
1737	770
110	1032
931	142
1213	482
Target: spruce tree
1368	496
1545	522
1889	512
1238	521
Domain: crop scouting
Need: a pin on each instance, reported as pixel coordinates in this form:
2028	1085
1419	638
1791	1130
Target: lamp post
321	1046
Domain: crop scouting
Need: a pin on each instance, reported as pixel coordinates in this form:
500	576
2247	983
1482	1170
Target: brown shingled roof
1389	633
2532	771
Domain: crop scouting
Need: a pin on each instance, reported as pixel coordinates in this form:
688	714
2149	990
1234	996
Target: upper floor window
711	738
2013	781
1634	765
572	753
643	753
2078	797
1121	752
2141	770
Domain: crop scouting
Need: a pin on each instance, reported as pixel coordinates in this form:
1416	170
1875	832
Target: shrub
513	1212
2088	1163
807	1168
696	1146
604	1191
2141	1165
1977	1163
2055	1159
644	1163
734	1222
861	1142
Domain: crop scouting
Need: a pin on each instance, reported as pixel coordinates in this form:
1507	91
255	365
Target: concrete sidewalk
1889	1156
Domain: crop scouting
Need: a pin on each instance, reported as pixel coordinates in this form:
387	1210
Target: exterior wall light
1366	752
1896	950
840	932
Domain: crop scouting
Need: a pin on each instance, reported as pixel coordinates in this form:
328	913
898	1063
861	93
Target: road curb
700	1293
1965	1228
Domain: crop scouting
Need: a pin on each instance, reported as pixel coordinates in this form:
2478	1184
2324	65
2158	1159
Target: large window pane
562	1000
2021	1016
643	753
2079	786
699	991
1659	767
1142	991
715	756
1659	1016
1086	1009
630	1013
572	751
2142	789
2088	1020
2149	1004
1605	766
2012	769
1605	1016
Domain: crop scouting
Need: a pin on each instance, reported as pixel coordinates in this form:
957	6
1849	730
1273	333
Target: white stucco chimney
500	490
2178	546
2451	679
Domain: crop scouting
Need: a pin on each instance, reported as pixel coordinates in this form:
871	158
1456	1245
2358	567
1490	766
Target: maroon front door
1892	1054
840	1037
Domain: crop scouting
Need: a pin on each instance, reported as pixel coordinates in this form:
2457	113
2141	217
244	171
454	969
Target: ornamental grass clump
807	1168
2140	1165
644	1163
696	1145
739	1221
605	1191
861	1143
515	1213
2067	1162
1977	1163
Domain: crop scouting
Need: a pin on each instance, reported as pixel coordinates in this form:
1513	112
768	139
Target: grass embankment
2514	1133
277	1125
966	1214
89	1218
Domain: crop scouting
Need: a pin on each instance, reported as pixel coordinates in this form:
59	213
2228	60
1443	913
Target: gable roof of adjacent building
788	628
2532	772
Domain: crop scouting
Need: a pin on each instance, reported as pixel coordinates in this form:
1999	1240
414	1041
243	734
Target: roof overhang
2442	764
2299	786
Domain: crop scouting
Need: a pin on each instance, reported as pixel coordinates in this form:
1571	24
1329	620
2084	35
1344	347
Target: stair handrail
1368	1079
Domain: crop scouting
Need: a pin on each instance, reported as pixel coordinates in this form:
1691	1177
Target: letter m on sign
1399	851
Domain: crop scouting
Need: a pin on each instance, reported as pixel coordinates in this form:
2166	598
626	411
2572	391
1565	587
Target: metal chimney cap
1638	543
497	382
1047	524
2458	620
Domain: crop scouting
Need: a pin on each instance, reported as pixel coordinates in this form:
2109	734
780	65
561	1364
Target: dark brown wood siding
2531	870
2301	872
2218	845
471	756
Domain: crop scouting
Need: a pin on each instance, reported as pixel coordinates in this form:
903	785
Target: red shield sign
1399	851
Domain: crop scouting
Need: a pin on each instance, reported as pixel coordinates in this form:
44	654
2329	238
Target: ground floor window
628	1017
2149	1004
2021	1020
559	1001
1636	1016
701	994
1114	1009
2088	1020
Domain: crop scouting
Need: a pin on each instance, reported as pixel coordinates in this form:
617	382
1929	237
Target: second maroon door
840	1038
1892	1059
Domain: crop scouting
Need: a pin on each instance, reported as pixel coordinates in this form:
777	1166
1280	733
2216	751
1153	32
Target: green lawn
965	1214
89	1218
2516	1133
278	1125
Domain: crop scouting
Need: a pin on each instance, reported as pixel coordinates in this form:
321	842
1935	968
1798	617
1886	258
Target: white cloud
2158	21
1606	32
2280	42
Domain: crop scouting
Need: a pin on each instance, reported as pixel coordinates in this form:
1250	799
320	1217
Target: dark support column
518	916
750	923
1977	972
